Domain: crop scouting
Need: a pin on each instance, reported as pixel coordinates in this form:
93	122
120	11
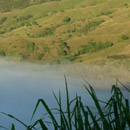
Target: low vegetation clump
2	53
62	52
30	46
121	57
92	25
90	47
3	20
67	19
44	33
93	46
34	23
39	56
113	114
124	37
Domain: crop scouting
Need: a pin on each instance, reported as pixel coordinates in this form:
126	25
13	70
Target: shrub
62	52
46	32
3	20
67	19
124	37
119	57
34	23
23	18
30	46
56	61
106	13
2	32
63	44
93	46
69	36
16	54
2	53
88	48
28	24
100	46
46	49
92	25
74	55
39	56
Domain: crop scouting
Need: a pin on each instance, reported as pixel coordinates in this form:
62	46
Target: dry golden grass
116	16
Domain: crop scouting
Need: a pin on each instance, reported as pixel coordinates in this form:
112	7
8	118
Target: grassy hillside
87	31
8	5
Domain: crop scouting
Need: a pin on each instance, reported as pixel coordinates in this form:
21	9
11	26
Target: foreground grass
113	114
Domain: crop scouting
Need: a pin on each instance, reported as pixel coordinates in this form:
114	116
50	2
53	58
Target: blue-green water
21	85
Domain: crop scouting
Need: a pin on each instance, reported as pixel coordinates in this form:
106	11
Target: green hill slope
8	5
87	31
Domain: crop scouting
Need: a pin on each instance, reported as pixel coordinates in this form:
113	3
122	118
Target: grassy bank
113	114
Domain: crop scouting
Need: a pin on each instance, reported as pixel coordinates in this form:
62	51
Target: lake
22	84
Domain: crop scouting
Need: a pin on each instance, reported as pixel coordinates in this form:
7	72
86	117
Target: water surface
22	84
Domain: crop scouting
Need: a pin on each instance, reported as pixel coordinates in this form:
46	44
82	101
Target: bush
74	55
119	57
23	18
124	37
46	32
17	54
30	46
62	52
67	19
106	13
100	45
2	32
28	24
3	20
63	44
46	49
39	56
93	46
92	25
2	53
88	48
34	23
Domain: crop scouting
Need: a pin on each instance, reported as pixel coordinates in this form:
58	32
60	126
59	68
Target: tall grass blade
94	97
13	127
68	106
43	126
63	120
85	113
48	110
116	114
127	105
4	127
79	114
15	119
123	85
96	125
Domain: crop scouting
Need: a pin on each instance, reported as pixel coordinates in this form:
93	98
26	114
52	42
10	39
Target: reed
113	114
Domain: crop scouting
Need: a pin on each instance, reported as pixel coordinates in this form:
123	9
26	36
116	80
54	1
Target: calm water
22	84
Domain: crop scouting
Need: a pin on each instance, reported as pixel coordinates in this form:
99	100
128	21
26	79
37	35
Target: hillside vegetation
86	31
9	5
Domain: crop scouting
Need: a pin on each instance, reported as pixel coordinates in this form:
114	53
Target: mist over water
22	84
